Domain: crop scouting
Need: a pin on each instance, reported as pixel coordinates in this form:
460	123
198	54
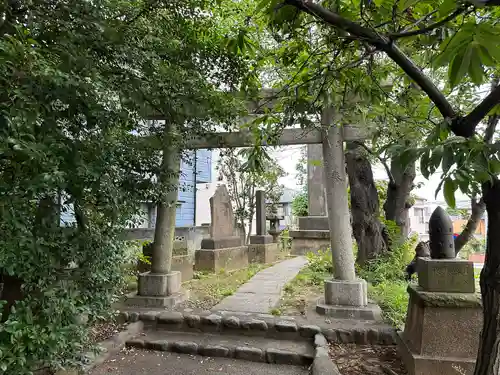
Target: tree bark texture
478	208
488	359
398	194
161	260
365	210
336	198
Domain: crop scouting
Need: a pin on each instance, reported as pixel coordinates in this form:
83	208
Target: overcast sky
288	157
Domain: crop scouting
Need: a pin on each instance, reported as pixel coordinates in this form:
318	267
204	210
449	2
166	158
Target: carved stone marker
223	250
314	231
222	226
442	243
222	215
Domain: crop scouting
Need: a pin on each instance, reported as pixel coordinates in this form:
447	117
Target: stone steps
255	349
266	326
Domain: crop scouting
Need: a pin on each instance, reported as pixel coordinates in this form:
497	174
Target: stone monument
262	248
314	232
444	318
222	250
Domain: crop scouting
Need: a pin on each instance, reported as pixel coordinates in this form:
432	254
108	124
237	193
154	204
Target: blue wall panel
185	215
192	172
204	166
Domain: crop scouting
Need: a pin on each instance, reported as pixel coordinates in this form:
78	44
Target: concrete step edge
281	328
223	350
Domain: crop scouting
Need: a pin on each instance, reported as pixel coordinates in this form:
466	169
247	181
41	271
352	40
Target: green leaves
449	192
469	51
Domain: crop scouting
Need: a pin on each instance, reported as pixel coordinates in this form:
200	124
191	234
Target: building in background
422	210
196	169
285	207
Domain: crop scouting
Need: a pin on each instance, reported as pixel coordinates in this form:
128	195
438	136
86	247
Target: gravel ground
104	330
365	359
142	362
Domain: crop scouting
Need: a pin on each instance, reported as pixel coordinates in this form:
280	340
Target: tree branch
490	128
470	121
430	27
384	44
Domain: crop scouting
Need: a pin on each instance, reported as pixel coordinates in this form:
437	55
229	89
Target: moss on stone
441	299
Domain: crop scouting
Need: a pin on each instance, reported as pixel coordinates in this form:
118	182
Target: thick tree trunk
478	208
488	359
398	193
365	210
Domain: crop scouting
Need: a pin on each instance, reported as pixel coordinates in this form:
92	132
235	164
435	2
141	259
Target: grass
208	289
304	290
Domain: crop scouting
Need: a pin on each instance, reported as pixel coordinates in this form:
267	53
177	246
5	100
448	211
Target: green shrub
300	205
387	285
320	262
392	298
390	266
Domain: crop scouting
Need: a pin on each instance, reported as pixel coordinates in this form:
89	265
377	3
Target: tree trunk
398	193
478	208
488	359
365	209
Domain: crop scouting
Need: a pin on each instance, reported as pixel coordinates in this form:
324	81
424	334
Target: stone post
161	287
260	212
345	295
262	248
444	318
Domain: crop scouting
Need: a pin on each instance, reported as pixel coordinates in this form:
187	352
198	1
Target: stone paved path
264	290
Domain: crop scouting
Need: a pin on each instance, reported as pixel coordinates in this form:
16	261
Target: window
419	213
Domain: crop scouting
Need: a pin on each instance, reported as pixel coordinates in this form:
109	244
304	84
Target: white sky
288	157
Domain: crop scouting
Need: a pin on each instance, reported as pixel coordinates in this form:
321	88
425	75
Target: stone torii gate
345	294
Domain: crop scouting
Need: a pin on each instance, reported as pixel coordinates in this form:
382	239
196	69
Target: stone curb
270	355
322	364
281	328
114	344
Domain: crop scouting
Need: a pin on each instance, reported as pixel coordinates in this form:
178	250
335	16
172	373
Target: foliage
385	276
392	298
460	212
77	78
320	262
390	266
300	205
286	240
243	181
473	246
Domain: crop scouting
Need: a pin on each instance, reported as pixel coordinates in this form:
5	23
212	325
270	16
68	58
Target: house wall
193	171
459	224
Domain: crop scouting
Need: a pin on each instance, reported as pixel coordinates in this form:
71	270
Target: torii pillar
345	294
